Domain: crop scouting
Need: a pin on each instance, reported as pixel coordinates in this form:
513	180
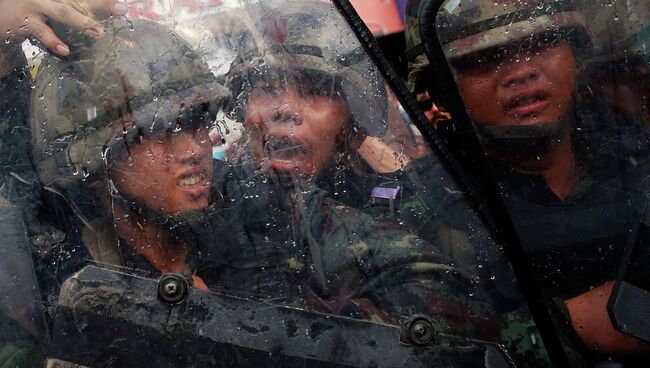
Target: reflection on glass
571	164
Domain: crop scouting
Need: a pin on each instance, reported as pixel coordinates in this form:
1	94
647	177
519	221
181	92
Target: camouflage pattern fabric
441	218
474	26
478	25
297	245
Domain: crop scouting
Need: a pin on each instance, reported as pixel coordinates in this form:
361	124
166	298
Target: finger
117	7
46	35
107	7
66	14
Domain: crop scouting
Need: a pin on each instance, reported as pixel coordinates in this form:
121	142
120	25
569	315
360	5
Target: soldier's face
533	88
170	174
294	129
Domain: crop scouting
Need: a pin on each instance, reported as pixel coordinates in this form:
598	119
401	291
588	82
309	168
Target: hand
27	18
381	157
589	318
198	283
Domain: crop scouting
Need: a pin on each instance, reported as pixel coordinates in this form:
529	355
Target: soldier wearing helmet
120	133
563	157
308	95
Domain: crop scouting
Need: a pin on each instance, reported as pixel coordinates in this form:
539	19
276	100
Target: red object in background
381	16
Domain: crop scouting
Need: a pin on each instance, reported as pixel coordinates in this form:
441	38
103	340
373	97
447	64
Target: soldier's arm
382	268
411	277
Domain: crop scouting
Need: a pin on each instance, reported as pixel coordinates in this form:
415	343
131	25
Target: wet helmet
140	80
312	39
466	27
140	69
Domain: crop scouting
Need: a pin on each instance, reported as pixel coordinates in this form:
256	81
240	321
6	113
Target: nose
518	72
191	147
286	108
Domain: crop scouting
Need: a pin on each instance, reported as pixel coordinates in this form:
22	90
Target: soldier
125	149
121	138
562	157
341	105
307	97
341	102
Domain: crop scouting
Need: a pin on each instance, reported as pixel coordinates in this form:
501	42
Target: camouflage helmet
140	72
312	38
466	27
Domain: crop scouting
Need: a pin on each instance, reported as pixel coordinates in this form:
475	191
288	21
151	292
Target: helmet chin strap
193	227
514	144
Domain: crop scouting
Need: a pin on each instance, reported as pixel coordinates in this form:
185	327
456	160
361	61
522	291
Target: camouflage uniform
297	246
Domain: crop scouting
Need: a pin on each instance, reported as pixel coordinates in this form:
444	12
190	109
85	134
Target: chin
193	207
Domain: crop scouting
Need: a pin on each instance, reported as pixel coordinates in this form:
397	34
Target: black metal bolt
420	331
172	288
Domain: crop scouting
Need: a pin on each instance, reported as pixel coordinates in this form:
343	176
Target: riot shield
547	98
268	195
171	325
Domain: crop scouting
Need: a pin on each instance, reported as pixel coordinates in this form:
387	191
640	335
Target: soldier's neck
152	242
558	167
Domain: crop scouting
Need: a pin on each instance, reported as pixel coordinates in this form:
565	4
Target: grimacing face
292	128
536	87
169	173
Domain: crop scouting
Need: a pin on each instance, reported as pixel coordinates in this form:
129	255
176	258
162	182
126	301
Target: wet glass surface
557	95
252	151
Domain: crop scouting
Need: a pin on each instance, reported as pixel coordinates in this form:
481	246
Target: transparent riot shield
22	327
178	326
555	93
242	183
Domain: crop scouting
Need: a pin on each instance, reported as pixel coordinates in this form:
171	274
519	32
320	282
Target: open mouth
192	179
284	149
528	104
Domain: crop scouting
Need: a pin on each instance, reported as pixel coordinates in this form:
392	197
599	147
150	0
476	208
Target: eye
267	88
323	87
320	91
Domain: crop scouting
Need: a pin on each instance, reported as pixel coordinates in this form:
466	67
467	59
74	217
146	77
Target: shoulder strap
101	242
